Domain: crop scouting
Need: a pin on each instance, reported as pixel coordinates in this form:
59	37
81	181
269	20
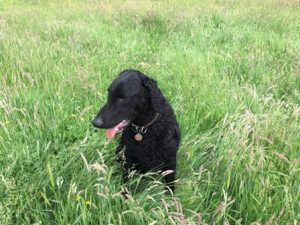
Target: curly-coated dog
150	132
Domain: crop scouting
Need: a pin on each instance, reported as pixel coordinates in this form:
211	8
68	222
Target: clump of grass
234	87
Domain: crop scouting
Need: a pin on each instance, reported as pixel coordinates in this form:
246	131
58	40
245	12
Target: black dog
151	134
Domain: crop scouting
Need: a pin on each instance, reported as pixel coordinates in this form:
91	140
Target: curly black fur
159	146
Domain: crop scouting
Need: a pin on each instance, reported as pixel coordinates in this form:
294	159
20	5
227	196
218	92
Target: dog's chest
143	154
138	148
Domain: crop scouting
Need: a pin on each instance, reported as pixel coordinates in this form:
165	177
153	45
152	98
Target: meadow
230	69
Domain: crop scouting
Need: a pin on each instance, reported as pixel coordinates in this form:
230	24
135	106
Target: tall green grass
230	70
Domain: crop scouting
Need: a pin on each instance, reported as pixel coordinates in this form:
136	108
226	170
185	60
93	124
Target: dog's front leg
170	179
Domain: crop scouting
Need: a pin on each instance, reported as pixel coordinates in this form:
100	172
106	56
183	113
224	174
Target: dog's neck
146	118
145	114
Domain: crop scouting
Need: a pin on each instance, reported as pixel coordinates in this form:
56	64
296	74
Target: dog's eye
121	99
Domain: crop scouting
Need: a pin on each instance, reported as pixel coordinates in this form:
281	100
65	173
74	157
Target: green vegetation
231	70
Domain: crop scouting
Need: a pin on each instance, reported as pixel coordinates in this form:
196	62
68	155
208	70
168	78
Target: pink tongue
111	132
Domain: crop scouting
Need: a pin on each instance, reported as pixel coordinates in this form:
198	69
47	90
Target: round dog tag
138	137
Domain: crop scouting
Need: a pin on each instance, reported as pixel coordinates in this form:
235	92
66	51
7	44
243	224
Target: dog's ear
157	99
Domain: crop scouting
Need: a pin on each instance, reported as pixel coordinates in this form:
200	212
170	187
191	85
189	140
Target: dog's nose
97	122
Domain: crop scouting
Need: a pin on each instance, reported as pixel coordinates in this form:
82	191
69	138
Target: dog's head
130	91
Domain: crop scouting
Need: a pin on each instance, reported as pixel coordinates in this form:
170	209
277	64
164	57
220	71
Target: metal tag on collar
138	137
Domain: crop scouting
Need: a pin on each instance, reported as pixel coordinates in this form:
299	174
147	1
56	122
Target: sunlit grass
230	70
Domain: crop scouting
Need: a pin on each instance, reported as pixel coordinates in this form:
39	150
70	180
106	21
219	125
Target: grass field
231	70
